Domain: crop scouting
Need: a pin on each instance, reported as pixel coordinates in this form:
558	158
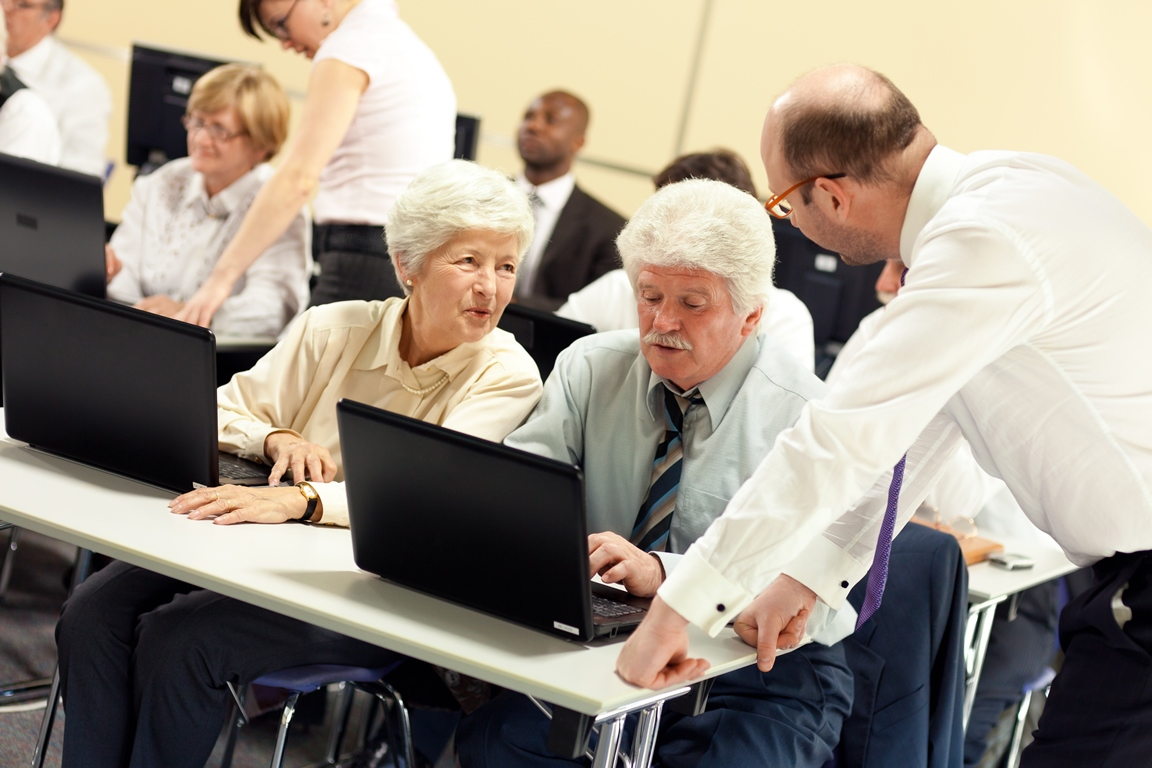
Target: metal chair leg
282	736
237	721
339	724
399	730
9	561
46	724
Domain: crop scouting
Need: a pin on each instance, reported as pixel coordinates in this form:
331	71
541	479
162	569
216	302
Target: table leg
608	745
976	634
644	740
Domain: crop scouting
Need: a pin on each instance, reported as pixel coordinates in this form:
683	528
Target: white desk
307	573
988	586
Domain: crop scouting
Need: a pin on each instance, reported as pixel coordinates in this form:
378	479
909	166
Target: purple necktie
878	574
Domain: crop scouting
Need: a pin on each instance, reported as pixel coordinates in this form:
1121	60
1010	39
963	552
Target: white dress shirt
79	99
404	122
28	129
609	304
172	235
1024	317
551	197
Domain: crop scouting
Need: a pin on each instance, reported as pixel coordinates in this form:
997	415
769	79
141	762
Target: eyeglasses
959	526
780	208
279	27
218	132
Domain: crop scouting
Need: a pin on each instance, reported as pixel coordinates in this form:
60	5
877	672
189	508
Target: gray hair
448	199
706	225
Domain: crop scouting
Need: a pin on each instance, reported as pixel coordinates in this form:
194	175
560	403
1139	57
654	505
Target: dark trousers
144	660
1018	652
354	264
1099	713
790	716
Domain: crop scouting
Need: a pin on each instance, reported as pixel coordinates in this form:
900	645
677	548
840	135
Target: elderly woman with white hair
145	659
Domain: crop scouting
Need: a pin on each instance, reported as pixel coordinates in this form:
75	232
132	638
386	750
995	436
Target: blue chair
908	660
300	680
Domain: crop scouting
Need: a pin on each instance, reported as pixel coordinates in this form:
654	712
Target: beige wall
1068	78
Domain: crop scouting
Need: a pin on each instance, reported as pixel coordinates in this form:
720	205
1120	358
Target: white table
988	586
307	572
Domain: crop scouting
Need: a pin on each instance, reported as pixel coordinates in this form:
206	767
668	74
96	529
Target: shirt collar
933	188
718	392
227	199
382	350
553	194
32	61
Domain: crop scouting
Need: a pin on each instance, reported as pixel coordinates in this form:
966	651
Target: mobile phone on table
1011	562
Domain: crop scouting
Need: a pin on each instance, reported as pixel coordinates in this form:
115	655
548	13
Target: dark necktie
654	521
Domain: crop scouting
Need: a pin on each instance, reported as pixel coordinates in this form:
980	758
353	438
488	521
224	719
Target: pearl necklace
421	392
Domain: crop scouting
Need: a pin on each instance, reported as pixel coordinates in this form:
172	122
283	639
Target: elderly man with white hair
27	128
667	423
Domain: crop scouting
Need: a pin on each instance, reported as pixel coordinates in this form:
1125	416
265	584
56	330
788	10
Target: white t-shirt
608	304
79	100
28	129
404	123
172	235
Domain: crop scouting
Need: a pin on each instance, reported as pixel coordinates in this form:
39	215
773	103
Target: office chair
908	660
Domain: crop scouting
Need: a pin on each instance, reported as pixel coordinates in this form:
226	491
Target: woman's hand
160	305
307	461
230	504
112	265
203	305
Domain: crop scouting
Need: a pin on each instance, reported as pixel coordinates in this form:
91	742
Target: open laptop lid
543	334
52	225
111	386
470	521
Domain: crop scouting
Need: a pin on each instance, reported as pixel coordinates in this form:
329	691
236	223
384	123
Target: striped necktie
654	521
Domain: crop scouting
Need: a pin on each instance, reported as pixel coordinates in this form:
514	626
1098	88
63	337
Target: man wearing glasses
1024	317
78	96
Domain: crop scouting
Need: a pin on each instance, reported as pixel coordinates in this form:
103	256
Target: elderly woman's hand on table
230	504
307	461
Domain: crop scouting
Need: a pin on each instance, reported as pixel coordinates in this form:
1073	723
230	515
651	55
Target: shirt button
720	607
844	584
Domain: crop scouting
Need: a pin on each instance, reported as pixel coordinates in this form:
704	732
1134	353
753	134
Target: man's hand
656	655
618	561
112	265
160	305
307	461
776	619
230	504
199	309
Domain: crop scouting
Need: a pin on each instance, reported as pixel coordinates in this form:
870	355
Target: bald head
550	135
844	119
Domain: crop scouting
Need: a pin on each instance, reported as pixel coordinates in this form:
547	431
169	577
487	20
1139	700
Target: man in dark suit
575	239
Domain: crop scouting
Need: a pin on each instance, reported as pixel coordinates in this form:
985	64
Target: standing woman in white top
181	217
379	109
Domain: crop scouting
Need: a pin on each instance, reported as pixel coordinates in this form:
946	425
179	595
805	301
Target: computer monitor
467	137
160	82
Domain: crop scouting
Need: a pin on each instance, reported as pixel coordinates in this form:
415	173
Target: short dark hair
719	165
250	20
855	135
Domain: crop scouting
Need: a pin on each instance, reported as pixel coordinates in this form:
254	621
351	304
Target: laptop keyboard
233	469
602	606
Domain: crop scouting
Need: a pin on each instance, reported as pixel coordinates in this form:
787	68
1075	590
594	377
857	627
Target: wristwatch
309	493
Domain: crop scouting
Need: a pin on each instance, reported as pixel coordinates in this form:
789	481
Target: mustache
673	340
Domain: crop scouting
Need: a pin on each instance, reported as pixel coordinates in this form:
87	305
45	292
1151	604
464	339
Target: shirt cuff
827	570
335	503
668	561
702	595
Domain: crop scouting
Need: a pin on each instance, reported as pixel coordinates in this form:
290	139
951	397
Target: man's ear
834	198
54	19
752	321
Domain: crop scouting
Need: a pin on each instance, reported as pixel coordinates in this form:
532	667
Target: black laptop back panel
52	225
467	520
108	385
543	334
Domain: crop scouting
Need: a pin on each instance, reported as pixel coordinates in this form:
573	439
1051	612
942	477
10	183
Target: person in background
145	660
77	94
181	217
575	232
666	421
609	304
27	127
1023	636
379	109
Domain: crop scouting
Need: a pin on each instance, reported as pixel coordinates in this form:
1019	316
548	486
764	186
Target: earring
326	20
408	283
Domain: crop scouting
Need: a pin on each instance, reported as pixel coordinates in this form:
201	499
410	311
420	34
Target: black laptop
543	334
476	523
115	387
52	225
